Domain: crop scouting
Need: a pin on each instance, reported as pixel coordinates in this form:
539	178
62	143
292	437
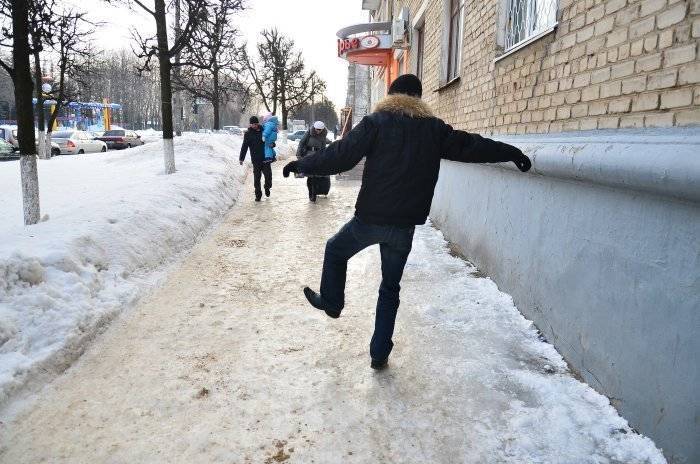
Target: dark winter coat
312	142
403	144
253	140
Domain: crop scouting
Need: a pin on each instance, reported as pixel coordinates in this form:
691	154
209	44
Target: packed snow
150	135
110	221
226	362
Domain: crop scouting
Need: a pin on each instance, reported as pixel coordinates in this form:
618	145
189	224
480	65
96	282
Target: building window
527	19
455	39
420	50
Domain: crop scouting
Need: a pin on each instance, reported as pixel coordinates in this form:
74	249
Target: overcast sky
311	23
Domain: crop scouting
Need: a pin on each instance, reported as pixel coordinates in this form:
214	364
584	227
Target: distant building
358	97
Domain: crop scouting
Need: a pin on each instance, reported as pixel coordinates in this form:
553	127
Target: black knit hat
254	120
407	84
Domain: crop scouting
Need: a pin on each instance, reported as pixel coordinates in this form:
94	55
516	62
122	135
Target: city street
225	362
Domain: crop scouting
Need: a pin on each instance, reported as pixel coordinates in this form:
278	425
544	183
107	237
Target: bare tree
209	58
41	30
158	48
278	76
114	76
74	53
17	11
320	111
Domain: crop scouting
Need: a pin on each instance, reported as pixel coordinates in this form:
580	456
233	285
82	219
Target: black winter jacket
312	142
253	140
403	144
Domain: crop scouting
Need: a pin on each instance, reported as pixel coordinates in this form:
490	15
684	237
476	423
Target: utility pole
179	112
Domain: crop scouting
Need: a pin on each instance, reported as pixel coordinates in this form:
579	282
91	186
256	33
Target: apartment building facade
598	244
539	66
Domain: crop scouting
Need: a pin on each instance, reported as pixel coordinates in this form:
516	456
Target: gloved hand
290	167
522	161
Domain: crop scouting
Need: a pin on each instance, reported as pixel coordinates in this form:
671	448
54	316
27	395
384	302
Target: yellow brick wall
610	64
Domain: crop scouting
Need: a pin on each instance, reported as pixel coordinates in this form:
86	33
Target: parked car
55	148
235	130
75	142
121	138
296	135
9	135
7	151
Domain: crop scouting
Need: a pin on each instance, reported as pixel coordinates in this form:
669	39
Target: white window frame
418	24
445	78
532	31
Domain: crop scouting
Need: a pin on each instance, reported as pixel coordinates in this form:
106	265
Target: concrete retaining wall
600	246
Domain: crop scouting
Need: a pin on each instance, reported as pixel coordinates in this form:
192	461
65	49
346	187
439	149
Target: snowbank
150	135
114	220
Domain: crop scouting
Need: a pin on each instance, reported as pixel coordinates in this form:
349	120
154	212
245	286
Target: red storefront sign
346	45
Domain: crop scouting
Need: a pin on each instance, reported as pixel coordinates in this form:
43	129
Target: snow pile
512	383
114	220
150	135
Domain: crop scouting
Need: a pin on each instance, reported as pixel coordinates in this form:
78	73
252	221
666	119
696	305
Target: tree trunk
48	141
285	117
25	111
178	95
41	126
285	110
215	101
274	97
166	88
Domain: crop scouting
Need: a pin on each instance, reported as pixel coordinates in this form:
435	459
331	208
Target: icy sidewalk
114	218
226	363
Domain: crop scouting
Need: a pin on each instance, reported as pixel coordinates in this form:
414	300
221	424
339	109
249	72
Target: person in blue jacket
270	125
253	141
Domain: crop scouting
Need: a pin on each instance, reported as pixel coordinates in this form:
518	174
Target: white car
76	142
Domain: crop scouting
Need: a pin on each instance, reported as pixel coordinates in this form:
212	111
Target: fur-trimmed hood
404	104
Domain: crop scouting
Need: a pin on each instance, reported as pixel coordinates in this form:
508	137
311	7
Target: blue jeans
395	245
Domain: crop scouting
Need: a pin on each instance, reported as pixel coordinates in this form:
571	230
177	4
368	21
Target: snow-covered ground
150	135
113	219
226	362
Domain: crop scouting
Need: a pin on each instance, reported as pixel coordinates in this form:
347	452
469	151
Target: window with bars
455	39
527	19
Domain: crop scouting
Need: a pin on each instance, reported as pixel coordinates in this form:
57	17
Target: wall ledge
658	161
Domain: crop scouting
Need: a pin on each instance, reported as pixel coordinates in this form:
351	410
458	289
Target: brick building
537	66
598	244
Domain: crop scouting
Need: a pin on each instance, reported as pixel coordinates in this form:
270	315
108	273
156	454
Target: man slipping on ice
403	144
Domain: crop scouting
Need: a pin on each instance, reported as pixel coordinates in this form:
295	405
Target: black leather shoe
378	365
267	191
317	302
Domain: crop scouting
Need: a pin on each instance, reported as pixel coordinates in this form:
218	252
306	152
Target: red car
121	139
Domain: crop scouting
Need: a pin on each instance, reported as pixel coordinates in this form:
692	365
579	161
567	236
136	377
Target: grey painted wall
600	246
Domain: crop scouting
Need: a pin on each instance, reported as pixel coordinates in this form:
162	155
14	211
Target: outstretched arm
339	156
244	150
472	148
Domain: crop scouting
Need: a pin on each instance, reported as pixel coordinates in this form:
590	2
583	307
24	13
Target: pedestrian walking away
315	140
253	141
403	144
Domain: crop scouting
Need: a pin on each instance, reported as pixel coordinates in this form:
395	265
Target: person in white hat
314	140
